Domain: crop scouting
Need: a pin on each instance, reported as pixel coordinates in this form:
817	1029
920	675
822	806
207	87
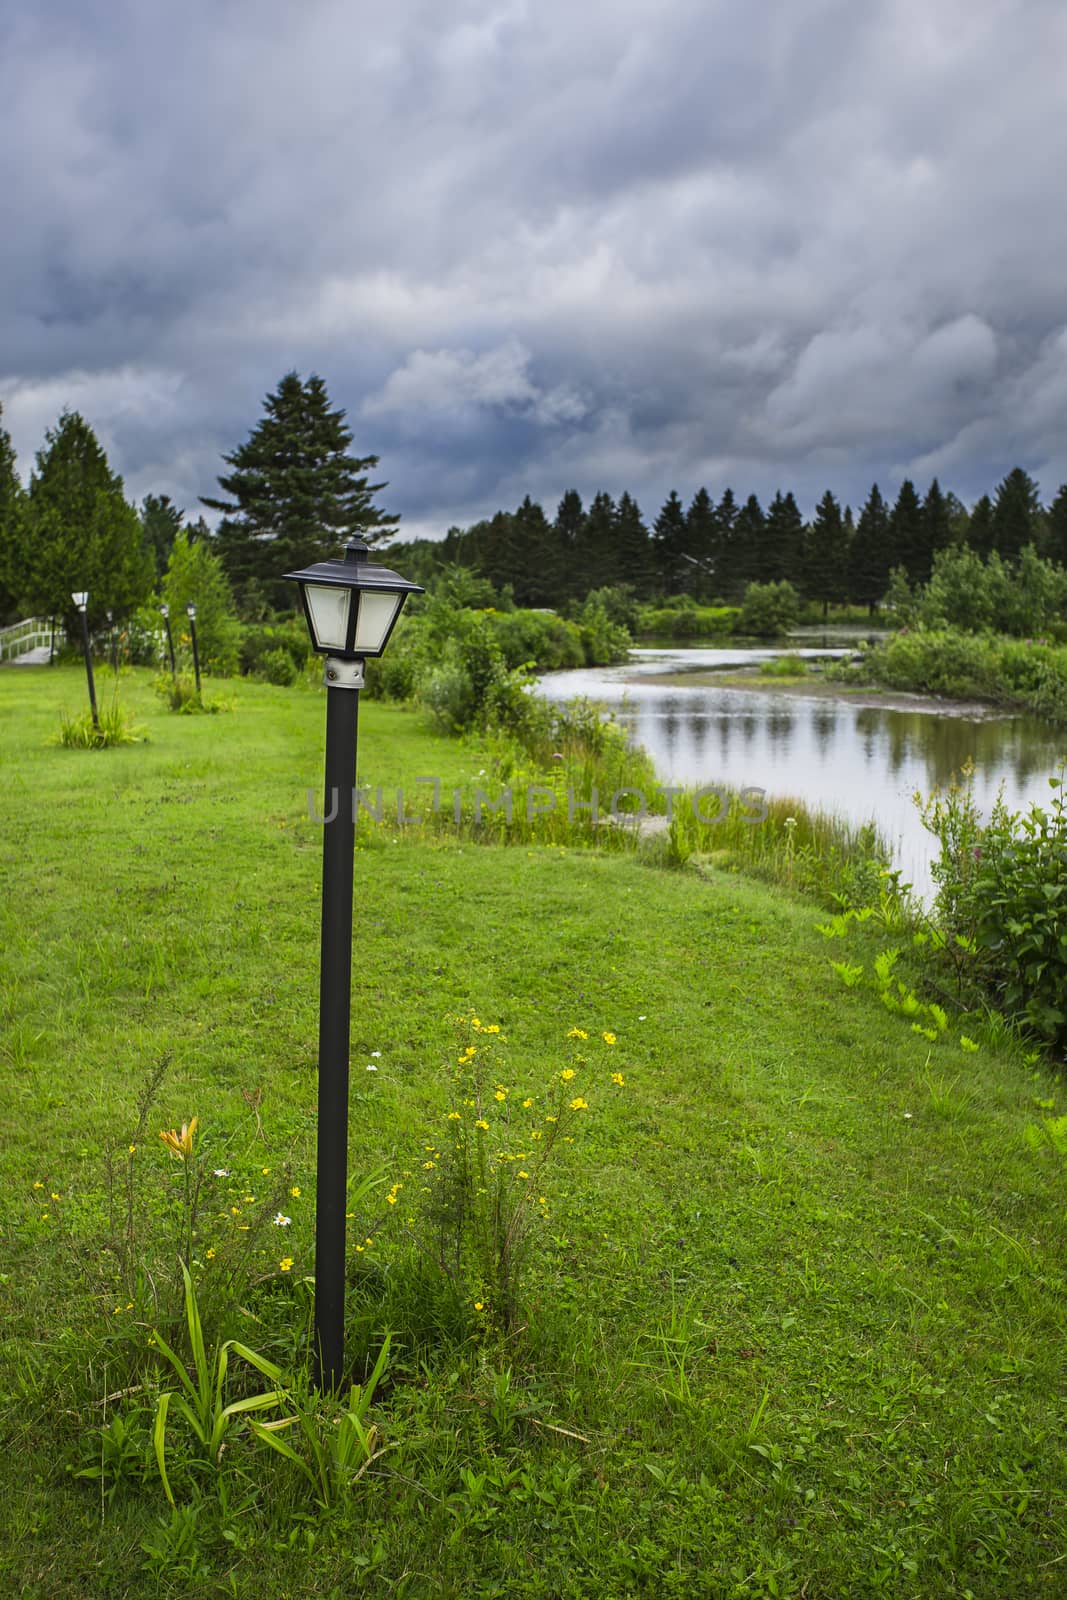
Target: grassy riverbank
793	1319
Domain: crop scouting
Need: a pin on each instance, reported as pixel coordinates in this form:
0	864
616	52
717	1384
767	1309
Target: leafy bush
768	609
194	573
676	620
603	640
946	661
538	639
1001	898
972	594
277	652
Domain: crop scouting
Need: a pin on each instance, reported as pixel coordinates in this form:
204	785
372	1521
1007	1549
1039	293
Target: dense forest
712	550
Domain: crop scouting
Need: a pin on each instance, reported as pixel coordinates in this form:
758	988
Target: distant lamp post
113	643
81	600
165	609
190	612
351	607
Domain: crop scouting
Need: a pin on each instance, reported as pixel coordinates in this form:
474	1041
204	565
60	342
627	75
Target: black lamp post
190	612
165	609
81	600
113	643
350	607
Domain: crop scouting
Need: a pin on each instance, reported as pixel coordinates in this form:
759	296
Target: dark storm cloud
533	246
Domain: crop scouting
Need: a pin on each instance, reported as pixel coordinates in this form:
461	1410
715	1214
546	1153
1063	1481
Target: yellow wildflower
454	1116
481	1123
526	1104
391	1199
285	1263
295	1191
617	1077
579	1104
567	1074
500	1094
608	1038
577	1033
181	1143
210	1255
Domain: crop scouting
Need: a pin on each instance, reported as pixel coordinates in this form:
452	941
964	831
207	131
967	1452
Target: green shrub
277	652
676	620
768	609
1001	901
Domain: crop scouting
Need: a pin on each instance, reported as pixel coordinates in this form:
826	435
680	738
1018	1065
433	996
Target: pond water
844	754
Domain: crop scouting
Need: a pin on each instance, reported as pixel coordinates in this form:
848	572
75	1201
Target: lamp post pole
350	607
191	613
170	640
344	679
81	600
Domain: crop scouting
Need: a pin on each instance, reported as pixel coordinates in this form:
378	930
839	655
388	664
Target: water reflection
858	760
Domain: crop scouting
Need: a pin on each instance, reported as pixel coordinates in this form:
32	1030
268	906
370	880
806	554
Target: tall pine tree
1056	532
632	564
783	542
700	556
936	528
869	558
80	532
980	527
906	533
669	540
295	493
161	522
1016	514
826	577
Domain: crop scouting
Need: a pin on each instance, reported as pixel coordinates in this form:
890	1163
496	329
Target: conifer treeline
713	550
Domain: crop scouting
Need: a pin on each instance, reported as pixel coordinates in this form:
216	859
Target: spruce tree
827	557
632	563
979	533
1056	532
906	533
1016	514
936	528
534	574
701	551
725	517
569	531
11	529
743	550
596	550
161	523
783	542
295	493
869	557
669	540
81	533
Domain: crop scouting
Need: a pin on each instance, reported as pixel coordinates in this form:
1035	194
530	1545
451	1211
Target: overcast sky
542	245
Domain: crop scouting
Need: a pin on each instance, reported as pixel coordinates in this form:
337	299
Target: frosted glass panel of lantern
376	612
329	614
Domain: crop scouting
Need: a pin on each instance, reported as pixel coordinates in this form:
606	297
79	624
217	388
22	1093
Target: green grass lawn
794	1323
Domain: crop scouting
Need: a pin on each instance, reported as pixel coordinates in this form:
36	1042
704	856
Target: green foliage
1002	888
789	665
200	1400
276	652
768	609
970	594
944	661
194	573
161	523
182	695
112	727
334	1442
294	492
12	529
676	619
80	533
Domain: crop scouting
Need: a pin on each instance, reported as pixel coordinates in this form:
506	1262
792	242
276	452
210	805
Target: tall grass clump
113	727
840	864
